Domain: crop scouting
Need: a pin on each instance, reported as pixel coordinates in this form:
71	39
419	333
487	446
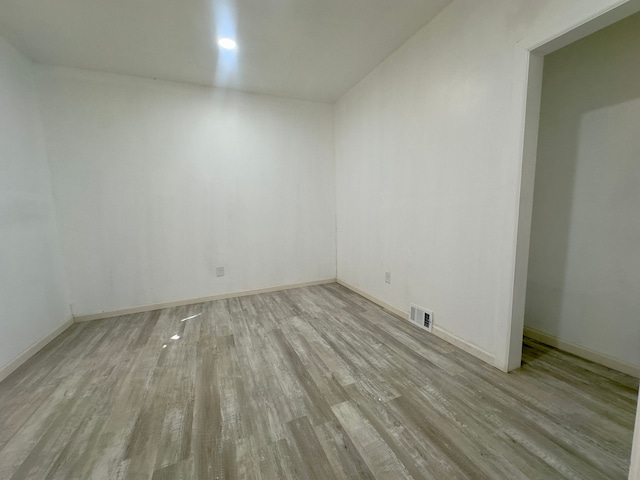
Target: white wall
157	183
584	264
428	152
32	293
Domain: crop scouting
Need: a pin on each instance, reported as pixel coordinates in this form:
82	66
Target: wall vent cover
421	317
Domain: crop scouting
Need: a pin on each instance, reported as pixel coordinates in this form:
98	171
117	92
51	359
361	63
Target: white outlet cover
219	271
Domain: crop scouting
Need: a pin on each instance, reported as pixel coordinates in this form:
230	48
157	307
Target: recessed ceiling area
308	49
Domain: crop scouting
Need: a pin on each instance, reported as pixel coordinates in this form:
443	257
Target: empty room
319	239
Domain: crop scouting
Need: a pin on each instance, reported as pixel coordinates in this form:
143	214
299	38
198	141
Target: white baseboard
389	308
13	365
464	345
583	352
191	301
438	331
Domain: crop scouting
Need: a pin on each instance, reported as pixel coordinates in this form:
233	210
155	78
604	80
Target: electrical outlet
387	277
219	271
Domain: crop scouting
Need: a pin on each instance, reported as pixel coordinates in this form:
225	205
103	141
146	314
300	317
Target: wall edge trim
192	301
11	366
580	351
438	331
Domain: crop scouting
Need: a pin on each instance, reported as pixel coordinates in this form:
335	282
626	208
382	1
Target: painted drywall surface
32	293
428	150
584	267
157	184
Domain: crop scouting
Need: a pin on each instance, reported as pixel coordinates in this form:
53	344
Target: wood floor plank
374	450
314	383
308	455
415	454
346	462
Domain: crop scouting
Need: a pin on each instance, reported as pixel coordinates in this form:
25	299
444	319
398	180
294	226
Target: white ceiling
311	49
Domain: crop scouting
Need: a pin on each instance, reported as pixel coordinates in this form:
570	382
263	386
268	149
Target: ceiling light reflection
225	33
227	43
192	316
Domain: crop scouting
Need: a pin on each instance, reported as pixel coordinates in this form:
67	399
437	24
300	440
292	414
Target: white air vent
421	317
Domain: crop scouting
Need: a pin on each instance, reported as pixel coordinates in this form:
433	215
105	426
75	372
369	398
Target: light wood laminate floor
308	383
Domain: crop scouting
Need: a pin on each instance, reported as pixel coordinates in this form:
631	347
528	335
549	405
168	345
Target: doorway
584	266
566	201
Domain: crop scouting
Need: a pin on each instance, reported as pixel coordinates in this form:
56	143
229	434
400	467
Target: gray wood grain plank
346	462
374	450
308	455
315	382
